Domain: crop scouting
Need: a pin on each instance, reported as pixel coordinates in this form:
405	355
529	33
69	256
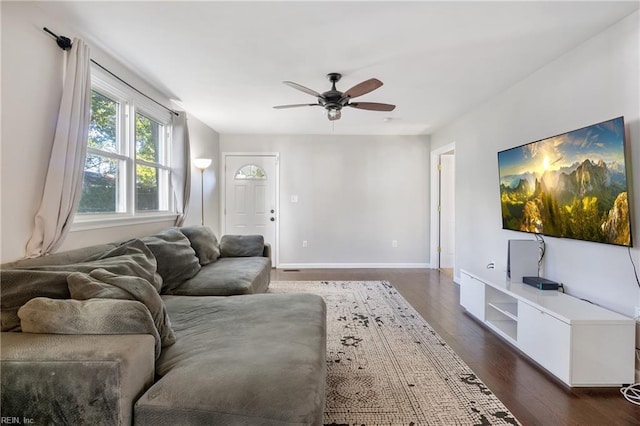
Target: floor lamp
202	163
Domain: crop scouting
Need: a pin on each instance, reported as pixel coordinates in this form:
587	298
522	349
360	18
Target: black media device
541	283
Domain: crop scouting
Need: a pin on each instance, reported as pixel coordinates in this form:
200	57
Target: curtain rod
65	44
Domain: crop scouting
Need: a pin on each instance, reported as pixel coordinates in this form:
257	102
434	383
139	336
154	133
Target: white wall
355	195
32	66
205	143
594	82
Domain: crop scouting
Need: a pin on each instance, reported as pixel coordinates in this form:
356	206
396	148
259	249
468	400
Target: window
250	172
127	170
152	175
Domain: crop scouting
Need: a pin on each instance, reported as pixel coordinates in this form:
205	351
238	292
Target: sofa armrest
266	252
74	379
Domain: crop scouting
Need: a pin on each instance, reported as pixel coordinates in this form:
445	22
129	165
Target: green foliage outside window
103	128
147	147
101	183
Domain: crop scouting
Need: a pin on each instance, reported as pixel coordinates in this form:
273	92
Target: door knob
273	219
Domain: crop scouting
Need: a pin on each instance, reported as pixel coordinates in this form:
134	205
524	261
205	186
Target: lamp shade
202	163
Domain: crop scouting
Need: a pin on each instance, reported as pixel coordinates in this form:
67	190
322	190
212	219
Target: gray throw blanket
100	283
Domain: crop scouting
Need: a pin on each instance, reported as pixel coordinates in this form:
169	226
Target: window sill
89	223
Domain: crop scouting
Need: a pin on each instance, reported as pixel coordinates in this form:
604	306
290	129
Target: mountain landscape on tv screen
573	185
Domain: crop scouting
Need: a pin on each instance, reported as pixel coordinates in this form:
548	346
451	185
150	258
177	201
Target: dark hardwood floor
531	394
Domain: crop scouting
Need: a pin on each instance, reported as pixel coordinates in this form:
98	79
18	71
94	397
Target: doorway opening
443	209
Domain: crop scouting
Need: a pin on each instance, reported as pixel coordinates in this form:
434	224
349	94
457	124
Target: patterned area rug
387	366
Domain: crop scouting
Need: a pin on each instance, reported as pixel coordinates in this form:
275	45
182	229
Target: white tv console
580	343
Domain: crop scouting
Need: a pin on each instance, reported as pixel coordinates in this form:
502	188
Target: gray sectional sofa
171	329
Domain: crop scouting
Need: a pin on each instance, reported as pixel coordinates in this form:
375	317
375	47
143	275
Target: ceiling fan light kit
334	100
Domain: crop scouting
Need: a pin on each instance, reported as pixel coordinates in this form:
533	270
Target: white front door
447	210
250	197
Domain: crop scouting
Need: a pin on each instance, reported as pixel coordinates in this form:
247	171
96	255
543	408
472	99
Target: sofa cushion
204	243
96	316
241	245
100	283
176	260
256	359
19	285
228	276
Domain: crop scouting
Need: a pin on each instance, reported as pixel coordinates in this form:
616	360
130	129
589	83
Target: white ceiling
226	61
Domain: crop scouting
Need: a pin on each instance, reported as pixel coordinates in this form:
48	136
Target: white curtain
63	185
180	165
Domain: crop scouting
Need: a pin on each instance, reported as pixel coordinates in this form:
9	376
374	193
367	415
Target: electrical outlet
394	243
304	244
491	264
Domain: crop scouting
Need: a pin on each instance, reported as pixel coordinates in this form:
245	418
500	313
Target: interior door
447	210
250	197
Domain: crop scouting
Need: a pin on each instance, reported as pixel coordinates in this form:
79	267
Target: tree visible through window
101	170
127	169
148	136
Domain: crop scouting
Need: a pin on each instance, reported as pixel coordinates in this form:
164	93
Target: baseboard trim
353	265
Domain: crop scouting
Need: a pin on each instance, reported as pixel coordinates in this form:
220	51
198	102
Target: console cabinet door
472	294
546	339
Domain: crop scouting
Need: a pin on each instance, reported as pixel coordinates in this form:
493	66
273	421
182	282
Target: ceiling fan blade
372	106
302	88
363	88
294	106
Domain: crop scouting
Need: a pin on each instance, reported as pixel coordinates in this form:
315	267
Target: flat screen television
573	185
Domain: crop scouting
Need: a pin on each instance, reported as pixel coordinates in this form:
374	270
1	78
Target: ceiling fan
334	100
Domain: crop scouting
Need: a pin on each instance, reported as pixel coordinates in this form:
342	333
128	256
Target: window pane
103	129
100	185
147	188
251	172
148	134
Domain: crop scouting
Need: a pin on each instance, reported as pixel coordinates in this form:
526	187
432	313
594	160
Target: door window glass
250	172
